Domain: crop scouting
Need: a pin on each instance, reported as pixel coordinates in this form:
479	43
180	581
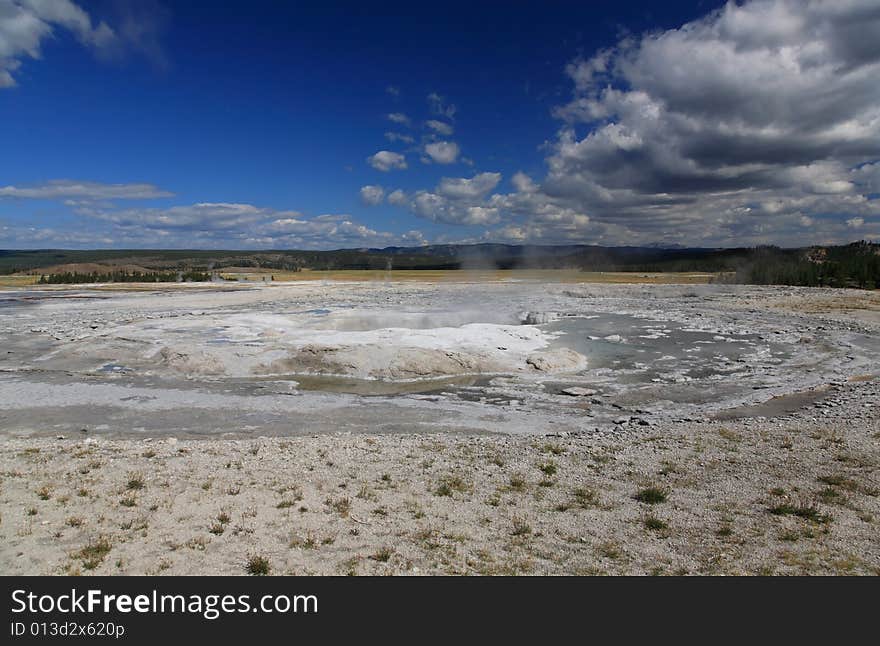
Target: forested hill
856	264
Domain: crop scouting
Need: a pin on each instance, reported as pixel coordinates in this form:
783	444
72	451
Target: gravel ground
751	496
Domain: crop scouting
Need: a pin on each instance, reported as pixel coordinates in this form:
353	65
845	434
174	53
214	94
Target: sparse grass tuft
805	511
831	496
93	553
383	555
365	493
307	543
585	498
128	501
341	506
516	482
548	468
258	565
843	482
651	495
135	482
610	550
724	531
520	527
555	449
451	484
655	524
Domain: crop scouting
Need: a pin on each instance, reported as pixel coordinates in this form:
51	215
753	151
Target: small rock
576	391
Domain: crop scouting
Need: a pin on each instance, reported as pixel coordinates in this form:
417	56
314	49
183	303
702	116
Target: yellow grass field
454	276
464	276
18	281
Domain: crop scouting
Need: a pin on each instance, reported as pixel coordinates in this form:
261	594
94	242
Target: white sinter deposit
394	346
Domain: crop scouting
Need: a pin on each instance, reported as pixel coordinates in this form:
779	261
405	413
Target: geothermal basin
502	357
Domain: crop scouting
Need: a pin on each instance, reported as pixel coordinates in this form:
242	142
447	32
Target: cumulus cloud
440	127
25	24
385	160
442	152
64	189
454	200
730	129
372	195
397	198
526	214
474	188
759	122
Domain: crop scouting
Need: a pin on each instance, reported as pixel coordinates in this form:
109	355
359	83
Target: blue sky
272	125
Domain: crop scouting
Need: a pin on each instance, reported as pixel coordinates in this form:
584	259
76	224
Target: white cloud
759	122
855	223
440	127
398	117
729	130
206	225
475	188
208	216
440	107
372	195
63	189
456	200
393	90
442	152
25	24
397	198
385	160
396	136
